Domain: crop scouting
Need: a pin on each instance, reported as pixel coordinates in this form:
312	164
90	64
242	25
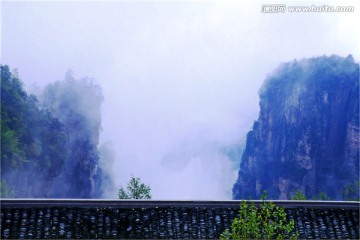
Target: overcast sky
180	79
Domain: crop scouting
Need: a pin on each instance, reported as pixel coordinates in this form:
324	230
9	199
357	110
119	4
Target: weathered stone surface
307	134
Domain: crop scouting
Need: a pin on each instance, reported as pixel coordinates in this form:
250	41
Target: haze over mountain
307	135
179	79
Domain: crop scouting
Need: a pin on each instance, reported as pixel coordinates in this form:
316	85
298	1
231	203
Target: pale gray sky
180	79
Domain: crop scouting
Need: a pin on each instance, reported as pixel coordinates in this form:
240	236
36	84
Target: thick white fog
180	79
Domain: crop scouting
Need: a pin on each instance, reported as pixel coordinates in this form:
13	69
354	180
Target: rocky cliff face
77	104
307	134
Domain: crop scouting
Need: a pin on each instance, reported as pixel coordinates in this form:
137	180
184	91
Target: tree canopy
135	190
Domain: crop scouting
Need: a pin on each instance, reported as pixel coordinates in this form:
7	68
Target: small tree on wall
135	190
265	222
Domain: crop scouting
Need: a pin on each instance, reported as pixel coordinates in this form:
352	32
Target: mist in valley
179	80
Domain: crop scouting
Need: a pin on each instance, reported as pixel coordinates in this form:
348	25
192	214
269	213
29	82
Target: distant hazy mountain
307	134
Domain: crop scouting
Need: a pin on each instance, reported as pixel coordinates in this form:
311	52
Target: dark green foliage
266	222
49	149
350	193
322	196
32	140
135	190
13	121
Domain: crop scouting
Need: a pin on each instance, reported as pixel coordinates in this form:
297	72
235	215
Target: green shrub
298	195
351	192
323	197
266	222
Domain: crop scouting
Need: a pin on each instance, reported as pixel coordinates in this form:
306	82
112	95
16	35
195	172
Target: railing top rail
104	203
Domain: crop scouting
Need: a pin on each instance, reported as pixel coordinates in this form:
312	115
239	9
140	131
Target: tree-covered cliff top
316	70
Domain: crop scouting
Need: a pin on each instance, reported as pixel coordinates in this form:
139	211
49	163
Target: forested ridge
49	147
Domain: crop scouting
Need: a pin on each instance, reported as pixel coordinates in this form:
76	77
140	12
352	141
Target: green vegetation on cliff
49	148
32	140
